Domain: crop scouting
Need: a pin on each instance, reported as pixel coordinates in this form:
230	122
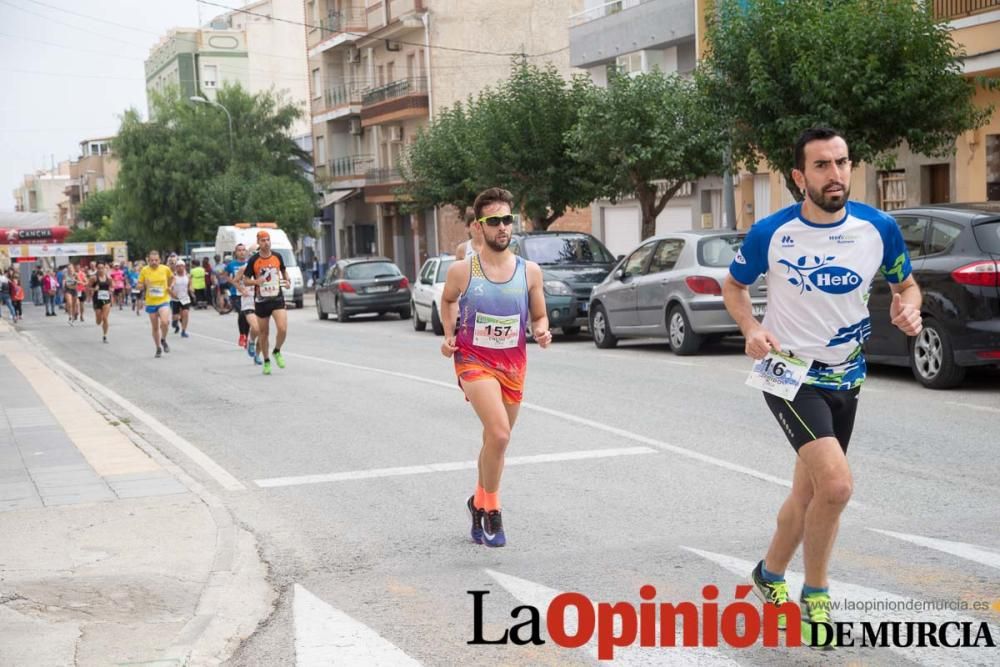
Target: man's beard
495	245
830	204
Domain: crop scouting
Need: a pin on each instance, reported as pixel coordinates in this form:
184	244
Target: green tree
520	141
881	71
648	128
180	179
513	136
440	167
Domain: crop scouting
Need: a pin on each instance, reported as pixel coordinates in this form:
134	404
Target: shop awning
332	198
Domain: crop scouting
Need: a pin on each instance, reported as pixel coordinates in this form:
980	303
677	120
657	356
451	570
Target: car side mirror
426	281
620	258
620	274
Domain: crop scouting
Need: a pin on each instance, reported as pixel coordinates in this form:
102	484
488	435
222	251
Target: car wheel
570	331
319	310
405	313
418	324
436	324
342	316
932	358
600	328
683	339
299	303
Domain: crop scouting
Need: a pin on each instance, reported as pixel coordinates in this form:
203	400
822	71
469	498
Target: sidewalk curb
238	594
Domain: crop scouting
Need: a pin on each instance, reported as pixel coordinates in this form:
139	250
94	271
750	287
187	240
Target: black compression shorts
816	413
265	308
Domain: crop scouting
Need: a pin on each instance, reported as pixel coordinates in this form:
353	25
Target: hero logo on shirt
808	273
739	259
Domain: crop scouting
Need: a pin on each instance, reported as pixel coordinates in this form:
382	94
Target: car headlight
557	288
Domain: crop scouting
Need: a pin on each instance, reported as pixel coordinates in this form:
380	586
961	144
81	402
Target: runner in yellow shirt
156	279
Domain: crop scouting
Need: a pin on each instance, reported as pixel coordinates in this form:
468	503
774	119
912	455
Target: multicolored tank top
492	320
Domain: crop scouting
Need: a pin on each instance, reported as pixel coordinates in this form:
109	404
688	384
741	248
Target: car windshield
371	270
443	269
286	256
719	250
566	250
988	236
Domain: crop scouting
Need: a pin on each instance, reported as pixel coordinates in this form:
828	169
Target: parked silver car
671	287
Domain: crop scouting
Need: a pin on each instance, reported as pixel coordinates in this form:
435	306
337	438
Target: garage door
621	229
673	219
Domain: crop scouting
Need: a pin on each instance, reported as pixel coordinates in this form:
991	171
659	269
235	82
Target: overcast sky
67	73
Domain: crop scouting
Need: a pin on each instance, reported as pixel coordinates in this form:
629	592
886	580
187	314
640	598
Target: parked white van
228	236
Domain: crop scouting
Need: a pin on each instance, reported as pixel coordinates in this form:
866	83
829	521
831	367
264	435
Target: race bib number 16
498	332
779	374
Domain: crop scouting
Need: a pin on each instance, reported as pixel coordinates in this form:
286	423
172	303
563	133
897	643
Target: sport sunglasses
497	220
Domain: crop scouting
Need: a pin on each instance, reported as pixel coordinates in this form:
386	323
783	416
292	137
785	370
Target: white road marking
448	467
538	596
200	458
973	406
622	433
960	549
327	636
646	360
842	592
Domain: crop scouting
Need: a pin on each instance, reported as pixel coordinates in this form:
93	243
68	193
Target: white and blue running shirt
818	281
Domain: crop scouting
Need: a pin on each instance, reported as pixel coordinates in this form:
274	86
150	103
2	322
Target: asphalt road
649	469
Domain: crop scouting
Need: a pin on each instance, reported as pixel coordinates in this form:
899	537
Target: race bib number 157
498	332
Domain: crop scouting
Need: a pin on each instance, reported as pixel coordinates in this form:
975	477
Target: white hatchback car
426	300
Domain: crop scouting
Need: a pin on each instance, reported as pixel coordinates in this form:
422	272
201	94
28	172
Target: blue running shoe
252	349
476	515
257	360
492	526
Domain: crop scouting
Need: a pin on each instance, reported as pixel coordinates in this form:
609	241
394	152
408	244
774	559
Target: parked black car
572	264
363	285
955	252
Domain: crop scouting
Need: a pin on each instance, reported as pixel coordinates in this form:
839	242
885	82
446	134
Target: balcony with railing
948	10
350	167
339	99
382	184
398	100
338	26
598	35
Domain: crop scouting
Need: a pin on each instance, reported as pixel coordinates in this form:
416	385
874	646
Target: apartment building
94	171
379	71
44	192
973	172
261	47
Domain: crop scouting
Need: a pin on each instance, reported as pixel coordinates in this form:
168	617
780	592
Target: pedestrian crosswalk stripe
326	636
960	549
842	591
539	596
449	466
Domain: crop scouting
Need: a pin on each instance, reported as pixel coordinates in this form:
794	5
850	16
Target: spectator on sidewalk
36	285
50	287
17	295
5	295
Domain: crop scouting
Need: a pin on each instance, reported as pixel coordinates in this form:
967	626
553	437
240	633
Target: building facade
379	71
44	192
94	171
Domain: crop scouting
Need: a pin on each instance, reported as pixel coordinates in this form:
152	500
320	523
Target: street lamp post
202	100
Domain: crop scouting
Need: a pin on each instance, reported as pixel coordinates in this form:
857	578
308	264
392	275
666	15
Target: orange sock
478	499
491	501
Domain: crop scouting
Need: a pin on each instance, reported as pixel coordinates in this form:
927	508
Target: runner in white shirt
181	296
820	257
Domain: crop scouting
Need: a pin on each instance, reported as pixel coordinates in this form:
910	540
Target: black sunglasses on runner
496	220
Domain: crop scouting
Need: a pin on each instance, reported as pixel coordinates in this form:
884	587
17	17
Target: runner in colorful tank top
491	296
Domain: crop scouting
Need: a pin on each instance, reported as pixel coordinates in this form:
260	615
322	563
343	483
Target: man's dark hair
808	136
491	196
